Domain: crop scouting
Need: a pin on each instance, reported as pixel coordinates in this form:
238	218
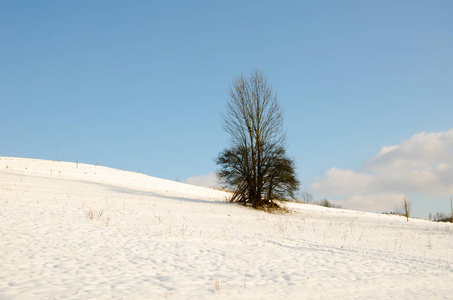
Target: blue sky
141	85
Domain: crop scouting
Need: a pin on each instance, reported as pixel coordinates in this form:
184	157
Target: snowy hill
79	231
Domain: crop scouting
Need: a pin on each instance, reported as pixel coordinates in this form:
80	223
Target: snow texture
77	231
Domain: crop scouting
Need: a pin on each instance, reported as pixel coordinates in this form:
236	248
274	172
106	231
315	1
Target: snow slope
160	239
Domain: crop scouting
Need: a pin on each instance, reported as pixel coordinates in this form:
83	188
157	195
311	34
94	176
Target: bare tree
405	208
307	197
256	165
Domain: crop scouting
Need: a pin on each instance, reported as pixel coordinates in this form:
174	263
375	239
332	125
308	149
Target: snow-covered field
149	238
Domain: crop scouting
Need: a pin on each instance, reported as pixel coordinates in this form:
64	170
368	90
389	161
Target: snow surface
160	239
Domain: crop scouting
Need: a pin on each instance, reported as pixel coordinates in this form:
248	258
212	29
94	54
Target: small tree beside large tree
256	165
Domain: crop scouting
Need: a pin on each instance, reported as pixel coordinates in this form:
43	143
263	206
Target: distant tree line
440	217
307	198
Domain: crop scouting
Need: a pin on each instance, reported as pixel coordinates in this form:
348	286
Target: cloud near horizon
422	164
208	180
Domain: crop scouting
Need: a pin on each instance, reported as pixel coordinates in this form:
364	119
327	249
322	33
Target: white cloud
343	182
208	180
422	164
374	203
420	150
